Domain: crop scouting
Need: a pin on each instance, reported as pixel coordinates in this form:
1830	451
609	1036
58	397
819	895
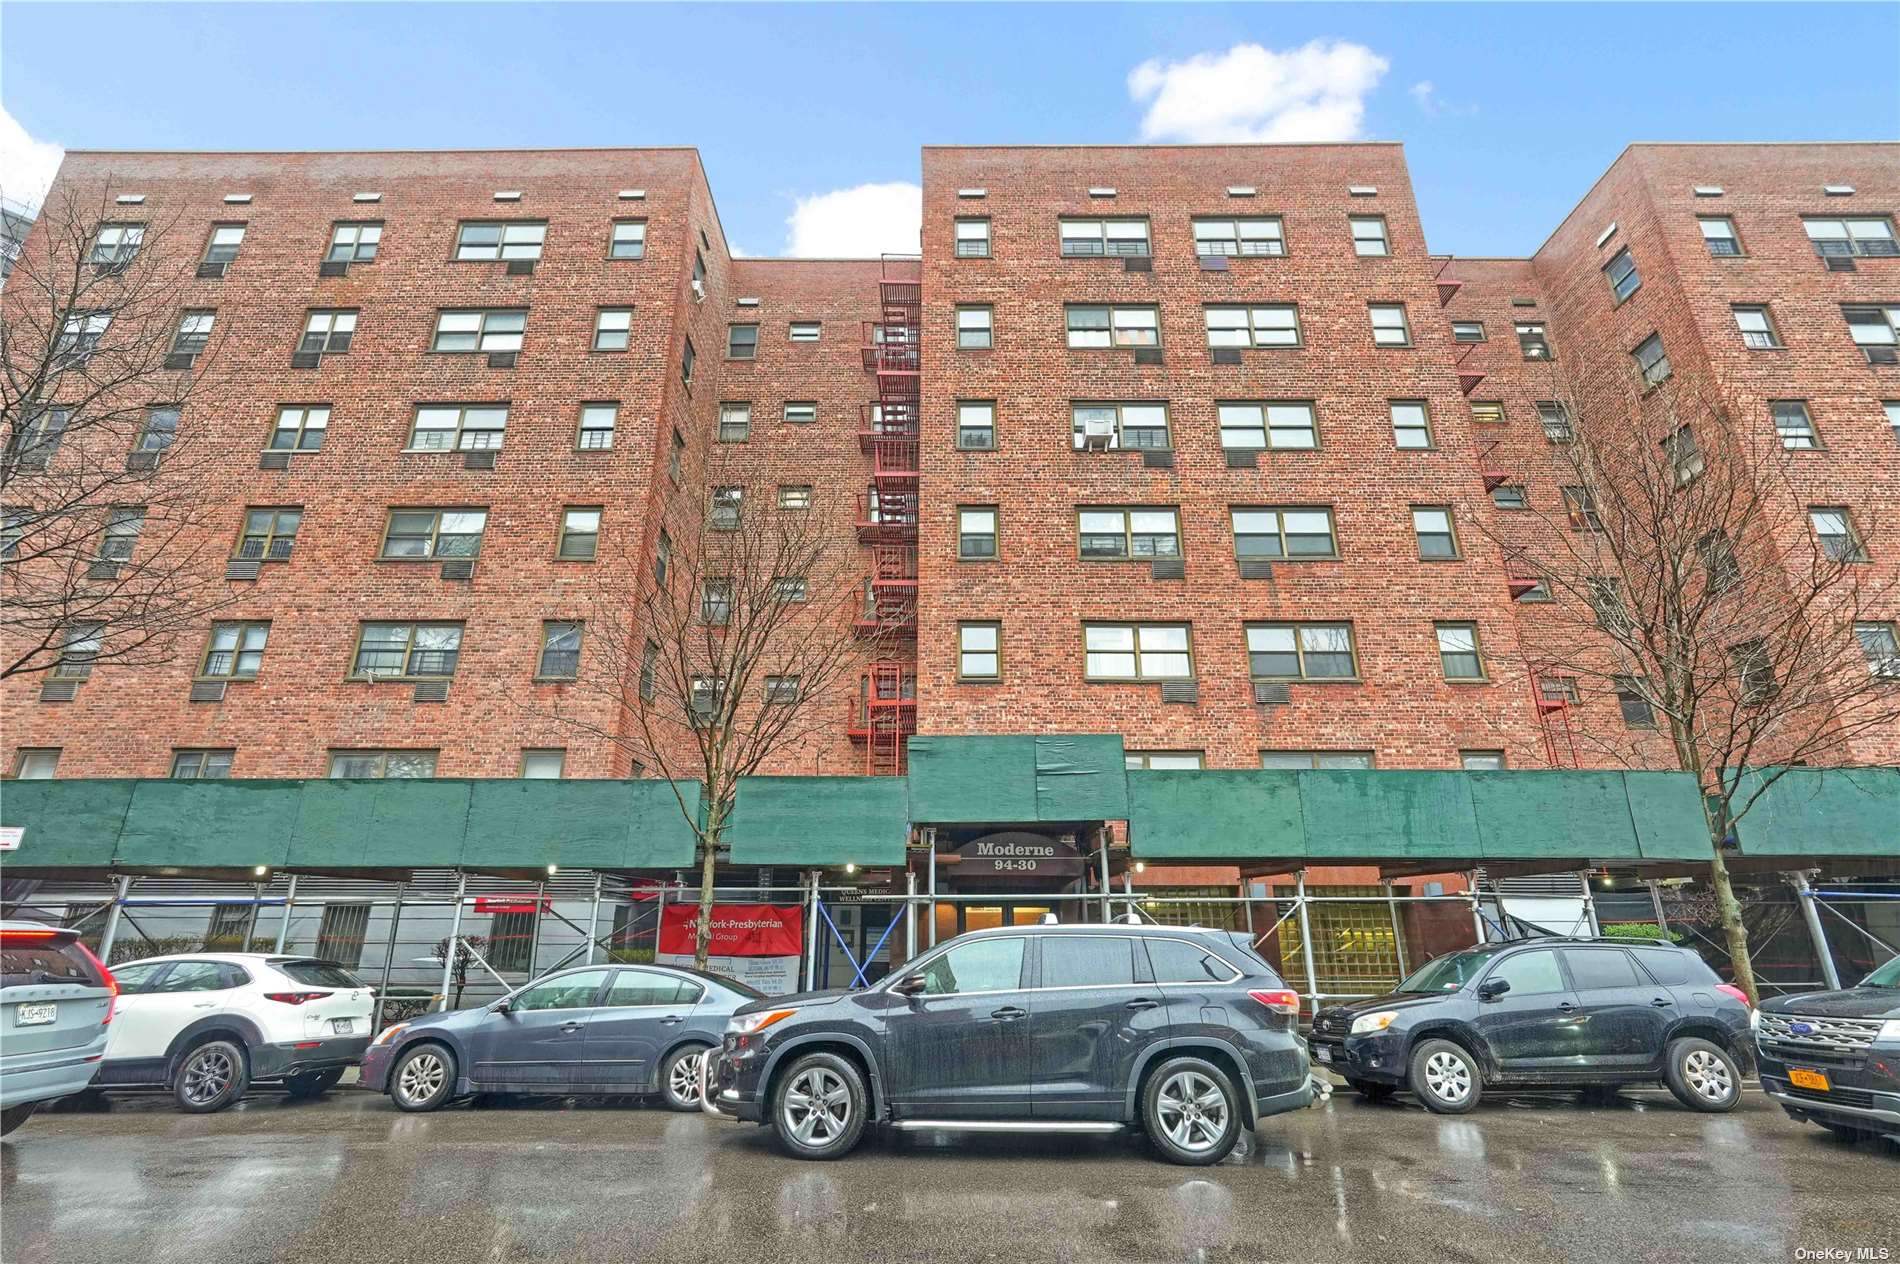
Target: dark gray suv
1186	1034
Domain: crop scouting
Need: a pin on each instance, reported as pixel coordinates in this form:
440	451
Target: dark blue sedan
596	1030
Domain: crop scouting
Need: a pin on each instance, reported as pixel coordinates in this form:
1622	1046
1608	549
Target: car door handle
1662	1002
673	1018
204	1004
1008	1013
1565	1007
571	1027
1142	1003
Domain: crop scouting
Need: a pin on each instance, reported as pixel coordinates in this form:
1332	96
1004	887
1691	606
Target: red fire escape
884	713
1555	698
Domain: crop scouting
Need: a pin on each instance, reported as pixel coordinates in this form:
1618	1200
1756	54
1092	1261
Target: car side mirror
501	1007
909	985
1492	989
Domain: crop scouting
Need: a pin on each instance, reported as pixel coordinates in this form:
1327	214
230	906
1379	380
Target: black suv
1552	1013
1081	1028
1833	1058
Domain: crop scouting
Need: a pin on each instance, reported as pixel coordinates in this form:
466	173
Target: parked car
591	1031
1833	1058
57	999
207	1025
1549	1013
1185	1034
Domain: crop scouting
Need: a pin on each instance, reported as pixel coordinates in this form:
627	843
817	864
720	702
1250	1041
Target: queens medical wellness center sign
758	944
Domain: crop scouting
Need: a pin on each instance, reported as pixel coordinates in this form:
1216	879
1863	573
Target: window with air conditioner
1119	425
1096	237
1136	651
418	651
1109	534
1866	236
300	427
1274	533
424	534
1275	424
479	331
511	240
1091	327
458	427
328	331
1301	651
354	241
1270	325
269	534
235	651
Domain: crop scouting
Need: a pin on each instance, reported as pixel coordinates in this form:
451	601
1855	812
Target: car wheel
820	1107
312	1083
210	1077
13	1116
423	1078
1445	1078
1191	1111
679	1077
1702	1075
1370	1091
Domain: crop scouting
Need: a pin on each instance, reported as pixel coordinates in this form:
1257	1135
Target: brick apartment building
1198	446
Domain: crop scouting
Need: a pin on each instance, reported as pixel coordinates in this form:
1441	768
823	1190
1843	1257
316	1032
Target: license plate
341	1026
1323	1054
1808	1079
35	1015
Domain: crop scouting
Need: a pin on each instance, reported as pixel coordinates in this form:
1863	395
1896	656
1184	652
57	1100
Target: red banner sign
512	903
739	930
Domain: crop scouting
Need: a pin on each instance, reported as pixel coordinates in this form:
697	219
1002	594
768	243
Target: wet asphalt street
349	1179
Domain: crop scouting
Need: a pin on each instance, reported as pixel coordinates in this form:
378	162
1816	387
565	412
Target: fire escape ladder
1447	290
1468	379
1554	705
1491	465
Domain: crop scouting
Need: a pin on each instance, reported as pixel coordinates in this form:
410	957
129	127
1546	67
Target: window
649	670
234	652
202	765
1531	973
613	328
976	425
515	240
121	536
976	532
629	240
353	242
1718	234
728	508
79	337
1531	341
1388	325
327	331
708	697
1871	237
300	427
194	333
676	458
1368	236
1231	237
1875	330
1719	565
1621	272
39	439
791	589
979	651
794	496
1437	540
1279	533
1892	407
1410	426
161	427
1119	426
1301	651
1878	643
973	238
1632	699
1754	671
1091	327
1277	325
806	330
269	534
735	423
800	412
224	243
1793	424
1481	760
1467	331
79	646
35	765
472	331
458	427
1116	534
382	763
1685	458
560	650
341	933
1177	961
1561	690
1555	419
1509	496
1458	651
434	533
742	342
580	534
1088	961
1834	529
981	965
662	557
597	427
407	649
116	245
1294	760
974	331
1594	969
1136	651
1084	237
1164	760
511	944
1758	332
1651	361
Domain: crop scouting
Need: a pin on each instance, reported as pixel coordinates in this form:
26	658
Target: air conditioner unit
1243	458
1181	691
1535	353
135	461
241	568
103	570
1256	568
1882	355
59	690
212	271
207	691
1102	428
273	461
502	359
479	459
181	359
333	268
1157	458
432	691
1269	693
699	290
305	359
1227	355
521	267
459	568
1839	263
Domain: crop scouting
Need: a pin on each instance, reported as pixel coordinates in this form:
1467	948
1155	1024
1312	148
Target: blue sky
797	108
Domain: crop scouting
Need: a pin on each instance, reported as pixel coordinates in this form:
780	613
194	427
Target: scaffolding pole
593	920
1306	940
111	933
290	902
1477	911
811	935
1398	931
910	907
1106	915
1816	932
1655	903
931	881
1589	905
389	961
453	948
534	931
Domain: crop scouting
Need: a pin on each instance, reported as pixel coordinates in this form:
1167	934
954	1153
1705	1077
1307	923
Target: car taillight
294	998
1729	989
106	981
1279	1000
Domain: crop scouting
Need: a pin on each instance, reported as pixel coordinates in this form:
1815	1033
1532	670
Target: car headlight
1754	1019
1379	1020
751	1024
389	1033
1889	1030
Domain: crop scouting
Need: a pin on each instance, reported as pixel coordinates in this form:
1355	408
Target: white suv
206	1024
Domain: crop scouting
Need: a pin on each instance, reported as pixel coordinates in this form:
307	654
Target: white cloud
26	165
1315	92
1425	93
857	223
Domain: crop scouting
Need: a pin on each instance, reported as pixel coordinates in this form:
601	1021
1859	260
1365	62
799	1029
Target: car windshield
320	974
1887	976
725	981
1449	973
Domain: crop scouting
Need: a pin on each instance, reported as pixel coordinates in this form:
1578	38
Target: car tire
13	1116
1191	1111
210	1077
1445	1078
312	1083
423	1077
1370	1091
679	1077
1702	1075
820	1107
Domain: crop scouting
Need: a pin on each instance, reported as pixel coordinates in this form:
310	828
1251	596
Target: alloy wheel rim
208	1075
421	1077
817	1107
1193	1111
684	1082
1708	1076
1447	1076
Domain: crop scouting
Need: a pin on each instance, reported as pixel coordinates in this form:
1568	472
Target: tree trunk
1730	910
702	933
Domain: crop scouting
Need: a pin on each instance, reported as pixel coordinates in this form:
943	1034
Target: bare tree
732	654
1687	577
105	551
